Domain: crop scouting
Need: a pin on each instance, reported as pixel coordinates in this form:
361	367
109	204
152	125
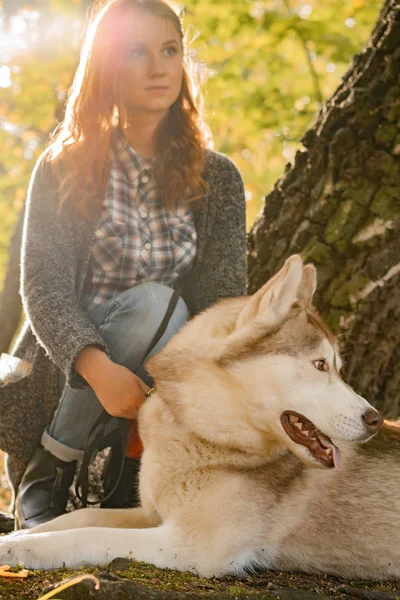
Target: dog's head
292	364
262	373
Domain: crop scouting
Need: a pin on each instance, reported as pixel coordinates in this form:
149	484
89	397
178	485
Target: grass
174	581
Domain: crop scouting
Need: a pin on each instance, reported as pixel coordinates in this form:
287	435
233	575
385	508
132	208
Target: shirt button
147	245
145	179
194	236
143	214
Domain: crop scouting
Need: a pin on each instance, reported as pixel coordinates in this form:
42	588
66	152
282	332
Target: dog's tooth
306	433
328	450
293	418
298	425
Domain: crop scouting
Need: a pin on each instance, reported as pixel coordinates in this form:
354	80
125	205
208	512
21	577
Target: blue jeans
127	323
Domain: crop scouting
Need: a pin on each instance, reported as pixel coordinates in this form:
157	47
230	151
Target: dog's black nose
373	420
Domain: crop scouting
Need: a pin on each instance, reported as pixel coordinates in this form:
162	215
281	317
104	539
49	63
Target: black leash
97	440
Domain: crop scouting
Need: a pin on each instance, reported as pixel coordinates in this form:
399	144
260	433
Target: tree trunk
339	206
10	300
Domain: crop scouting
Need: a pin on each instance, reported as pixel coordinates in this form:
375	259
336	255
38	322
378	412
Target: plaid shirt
137	239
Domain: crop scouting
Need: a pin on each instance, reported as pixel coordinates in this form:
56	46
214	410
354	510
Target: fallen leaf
5	572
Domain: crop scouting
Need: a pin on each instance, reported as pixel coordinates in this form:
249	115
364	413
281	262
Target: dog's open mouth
303	432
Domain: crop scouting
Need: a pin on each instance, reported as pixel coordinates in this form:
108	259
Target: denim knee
130	321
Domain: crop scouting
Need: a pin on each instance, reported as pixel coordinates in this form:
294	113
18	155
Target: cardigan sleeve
222	270
48	275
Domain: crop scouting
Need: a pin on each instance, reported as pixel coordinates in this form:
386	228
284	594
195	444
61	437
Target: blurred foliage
271	63
5	493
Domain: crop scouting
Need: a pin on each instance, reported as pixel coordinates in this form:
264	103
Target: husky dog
250	455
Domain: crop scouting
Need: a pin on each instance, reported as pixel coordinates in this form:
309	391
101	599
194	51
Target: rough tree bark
339	206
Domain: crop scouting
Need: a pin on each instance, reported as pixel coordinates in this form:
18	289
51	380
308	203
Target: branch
304	43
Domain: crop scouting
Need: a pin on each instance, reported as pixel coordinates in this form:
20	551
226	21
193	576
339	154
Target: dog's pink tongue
337	457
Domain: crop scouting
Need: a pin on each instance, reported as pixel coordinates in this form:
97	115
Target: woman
125	205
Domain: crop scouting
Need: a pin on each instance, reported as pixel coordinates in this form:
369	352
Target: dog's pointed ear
308	285
272	302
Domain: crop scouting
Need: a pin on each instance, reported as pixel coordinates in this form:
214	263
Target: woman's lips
157	89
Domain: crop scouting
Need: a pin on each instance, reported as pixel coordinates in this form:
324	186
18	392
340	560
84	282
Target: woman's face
151	75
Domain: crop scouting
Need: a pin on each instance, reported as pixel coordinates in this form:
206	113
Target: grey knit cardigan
55	254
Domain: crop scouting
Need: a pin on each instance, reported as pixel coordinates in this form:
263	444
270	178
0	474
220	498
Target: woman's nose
156	67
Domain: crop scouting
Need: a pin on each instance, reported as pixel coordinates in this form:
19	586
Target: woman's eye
137	53
321	364
170	51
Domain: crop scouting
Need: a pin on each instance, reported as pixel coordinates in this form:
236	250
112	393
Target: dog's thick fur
223	486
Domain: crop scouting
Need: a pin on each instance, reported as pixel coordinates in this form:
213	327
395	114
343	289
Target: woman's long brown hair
80	148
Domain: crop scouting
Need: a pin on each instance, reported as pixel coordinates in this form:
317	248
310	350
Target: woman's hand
119	390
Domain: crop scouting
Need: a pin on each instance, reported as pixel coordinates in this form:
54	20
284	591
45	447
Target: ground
127	580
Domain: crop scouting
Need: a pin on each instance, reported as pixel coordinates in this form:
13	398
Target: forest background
271	64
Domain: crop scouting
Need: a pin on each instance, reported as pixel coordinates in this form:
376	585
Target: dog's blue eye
321	364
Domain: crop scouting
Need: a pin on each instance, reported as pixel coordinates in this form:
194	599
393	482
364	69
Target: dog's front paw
8	547
16	549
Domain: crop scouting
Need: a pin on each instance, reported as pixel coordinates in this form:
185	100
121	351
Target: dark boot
43	491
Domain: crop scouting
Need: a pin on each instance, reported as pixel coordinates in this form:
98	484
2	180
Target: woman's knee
161	296
136	316
151	301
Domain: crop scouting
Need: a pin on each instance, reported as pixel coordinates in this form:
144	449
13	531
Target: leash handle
97	432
